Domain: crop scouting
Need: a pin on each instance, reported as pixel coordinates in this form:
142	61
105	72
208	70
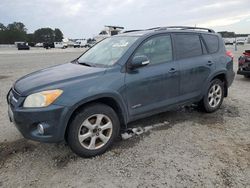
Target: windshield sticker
121	44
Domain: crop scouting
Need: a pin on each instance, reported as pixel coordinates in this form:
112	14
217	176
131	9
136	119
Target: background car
48	45
60	45
77	45
40	44
244	64
240	41
80	43
23	46
229	41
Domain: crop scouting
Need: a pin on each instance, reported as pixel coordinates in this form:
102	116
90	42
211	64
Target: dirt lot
190	149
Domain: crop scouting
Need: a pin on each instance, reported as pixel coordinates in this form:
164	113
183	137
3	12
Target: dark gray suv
121	79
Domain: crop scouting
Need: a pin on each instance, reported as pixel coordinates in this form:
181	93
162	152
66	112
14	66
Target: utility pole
235	46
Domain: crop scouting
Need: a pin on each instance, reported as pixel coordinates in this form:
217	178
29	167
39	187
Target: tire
213	97
93	130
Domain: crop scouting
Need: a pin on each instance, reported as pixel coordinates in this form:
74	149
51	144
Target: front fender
112	95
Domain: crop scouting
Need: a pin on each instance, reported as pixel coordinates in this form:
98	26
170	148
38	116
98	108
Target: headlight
42	99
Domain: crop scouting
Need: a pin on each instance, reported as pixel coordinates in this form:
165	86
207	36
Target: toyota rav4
88	101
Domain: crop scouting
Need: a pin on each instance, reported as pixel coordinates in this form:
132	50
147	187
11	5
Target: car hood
57	75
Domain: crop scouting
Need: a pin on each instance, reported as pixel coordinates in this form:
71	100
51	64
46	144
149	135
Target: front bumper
27	119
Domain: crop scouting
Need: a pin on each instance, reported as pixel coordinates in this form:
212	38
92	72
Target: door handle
172	70
209	63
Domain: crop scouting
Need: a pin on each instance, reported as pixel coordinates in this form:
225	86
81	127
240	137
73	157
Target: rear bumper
243	72
230	78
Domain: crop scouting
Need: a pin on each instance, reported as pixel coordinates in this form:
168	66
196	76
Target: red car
244	64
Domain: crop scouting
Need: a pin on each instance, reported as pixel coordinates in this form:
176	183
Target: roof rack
172	27
183	28
135	30
154	28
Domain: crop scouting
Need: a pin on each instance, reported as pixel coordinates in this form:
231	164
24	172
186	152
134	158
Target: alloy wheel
95	131
215	95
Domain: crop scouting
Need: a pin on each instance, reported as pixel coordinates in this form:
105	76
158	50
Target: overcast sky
85	18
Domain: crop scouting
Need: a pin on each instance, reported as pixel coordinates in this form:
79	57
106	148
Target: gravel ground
189	149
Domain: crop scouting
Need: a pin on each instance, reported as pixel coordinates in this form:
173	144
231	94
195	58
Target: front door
157	84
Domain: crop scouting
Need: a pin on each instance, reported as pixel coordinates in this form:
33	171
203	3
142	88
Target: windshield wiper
82	63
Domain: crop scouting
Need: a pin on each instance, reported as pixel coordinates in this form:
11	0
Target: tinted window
187	45
212	42
157	49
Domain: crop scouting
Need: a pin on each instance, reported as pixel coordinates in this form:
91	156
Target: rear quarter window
212	43
187	45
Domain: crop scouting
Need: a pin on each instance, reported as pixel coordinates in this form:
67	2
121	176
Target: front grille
13	97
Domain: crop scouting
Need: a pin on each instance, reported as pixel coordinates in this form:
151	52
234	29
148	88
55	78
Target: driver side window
157	49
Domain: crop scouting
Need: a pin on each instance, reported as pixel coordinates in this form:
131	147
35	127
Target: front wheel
213	97
93	130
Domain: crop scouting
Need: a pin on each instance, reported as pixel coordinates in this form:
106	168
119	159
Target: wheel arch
222	77
114	101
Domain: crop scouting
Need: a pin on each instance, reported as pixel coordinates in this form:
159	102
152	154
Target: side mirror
139	61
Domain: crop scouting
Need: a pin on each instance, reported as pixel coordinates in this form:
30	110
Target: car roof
170	29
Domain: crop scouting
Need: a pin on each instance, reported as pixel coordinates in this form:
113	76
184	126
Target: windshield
107	52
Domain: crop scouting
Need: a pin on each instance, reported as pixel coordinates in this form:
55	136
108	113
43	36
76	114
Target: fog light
40	128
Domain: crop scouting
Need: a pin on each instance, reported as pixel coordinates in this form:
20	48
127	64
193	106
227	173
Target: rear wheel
93	130
213	97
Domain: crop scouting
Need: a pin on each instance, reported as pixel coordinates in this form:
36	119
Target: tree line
17	32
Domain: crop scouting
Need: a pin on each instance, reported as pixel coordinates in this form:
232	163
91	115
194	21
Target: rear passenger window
187	45
157	49
212	42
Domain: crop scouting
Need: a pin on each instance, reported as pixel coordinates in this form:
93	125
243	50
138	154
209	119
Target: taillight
229	54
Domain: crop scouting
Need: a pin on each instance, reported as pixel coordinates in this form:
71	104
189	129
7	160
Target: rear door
157	84
212	43
195	64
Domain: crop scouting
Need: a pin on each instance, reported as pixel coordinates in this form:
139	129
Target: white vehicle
240	41
229	41
68	42
248	39
39	44
108	31
60	45
80	43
